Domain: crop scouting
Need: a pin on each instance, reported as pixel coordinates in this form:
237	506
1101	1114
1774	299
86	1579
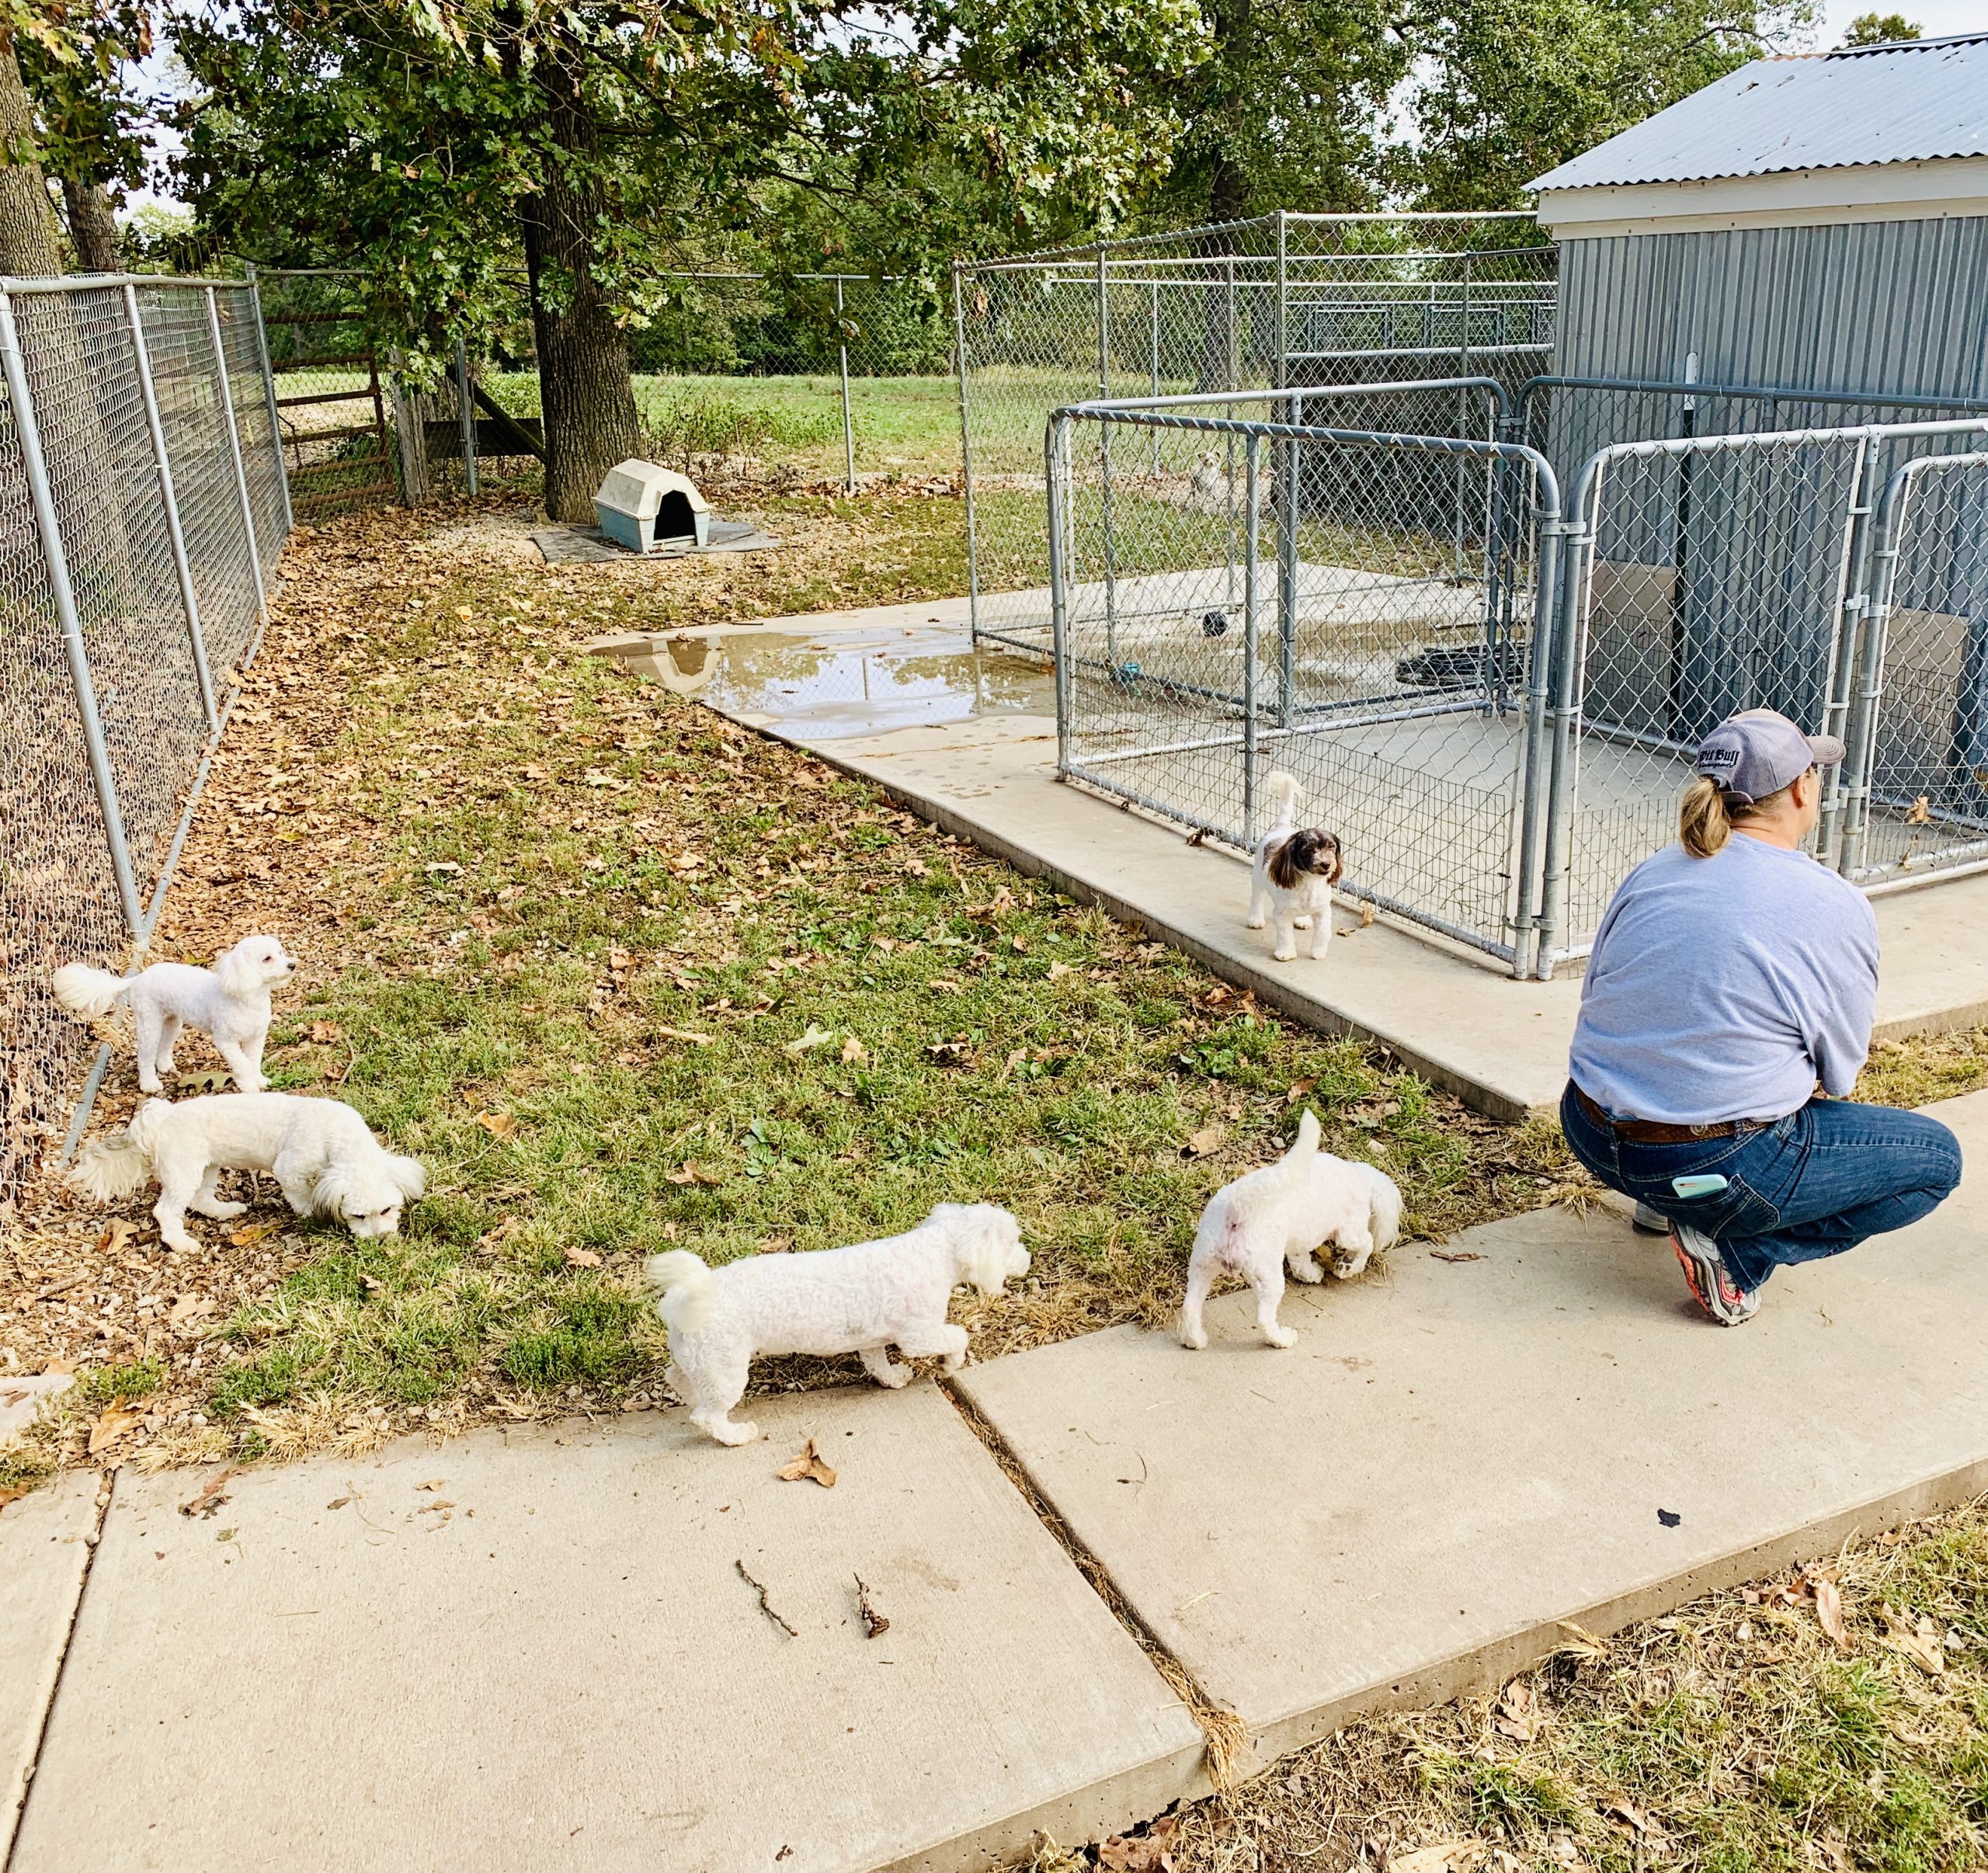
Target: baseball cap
1758	753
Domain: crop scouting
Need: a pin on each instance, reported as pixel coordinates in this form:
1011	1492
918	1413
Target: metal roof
1913	101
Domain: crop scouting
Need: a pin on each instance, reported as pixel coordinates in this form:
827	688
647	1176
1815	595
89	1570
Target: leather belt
1653	1131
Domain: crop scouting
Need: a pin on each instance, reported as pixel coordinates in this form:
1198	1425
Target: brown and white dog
1292	876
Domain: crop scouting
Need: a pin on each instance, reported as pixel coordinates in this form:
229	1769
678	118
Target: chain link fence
1244	583
1353	606
142	506
834	380
1312	301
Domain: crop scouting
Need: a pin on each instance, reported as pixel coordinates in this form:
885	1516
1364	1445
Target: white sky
1934	19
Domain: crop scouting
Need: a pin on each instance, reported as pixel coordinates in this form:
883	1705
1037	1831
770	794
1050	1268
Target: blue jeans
1810	1185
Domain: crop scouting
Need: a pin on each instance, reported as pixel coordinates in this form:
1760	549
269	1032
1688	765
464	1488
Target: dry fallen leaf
581	1258
1438	1856
1057	969
115	1235
684	1034
1828	1612
1456	1255
1200	1143
688	1173
12	1494
115	1422
326	1030
252	1232
809	1467
1151	1852
498	1125
1919	813
1920	1643
875	1624
853	1052
211	1498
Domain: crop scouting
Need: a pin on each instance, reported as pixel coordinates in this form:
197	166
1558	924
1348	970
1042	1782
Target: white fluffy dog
1283	1213
1293	874
863	1299
319	1151
230	1002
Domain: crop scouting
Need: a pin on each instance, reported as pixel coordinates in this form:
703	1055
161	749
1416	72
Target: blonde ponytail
1703	823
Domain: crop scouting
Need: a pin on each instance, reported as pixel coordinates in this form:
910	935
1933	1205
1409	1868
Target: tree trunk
92	228
585	395
27	223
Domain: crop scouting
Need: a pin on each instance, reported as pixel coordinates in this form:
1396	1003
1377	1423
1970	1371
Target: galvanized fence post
966	451
27	433
1056	443
175	537
848	418
1851	621
270	394
234	452
1552	528
1576	560
466	419
1287	412
1252	506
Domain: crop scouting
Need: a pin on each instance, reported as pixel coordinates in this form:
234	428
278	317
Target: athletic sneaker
1711	1282
1647	1221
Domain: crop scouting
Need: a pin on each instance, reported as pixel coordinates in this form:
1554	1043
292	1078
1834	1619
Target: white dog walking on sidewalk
230	1002
1292	874
864	1298
323	1158
1284	1213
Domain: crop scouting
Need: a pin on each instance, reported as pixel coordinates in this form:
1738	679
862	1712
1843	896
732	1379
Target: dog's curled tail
686	1286
1285	795
1296	1162
84	990
107	1169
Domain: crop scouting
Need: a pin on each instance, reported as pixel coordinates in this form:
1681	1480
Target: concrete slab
22	1400
1459	1455
44	1556
537	1650
966	737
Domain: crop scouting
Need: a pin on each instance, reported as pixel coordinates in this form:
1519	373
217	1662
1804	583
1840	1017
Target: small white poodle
1282	1214
865	1299
230	1002
1292	875
323	1158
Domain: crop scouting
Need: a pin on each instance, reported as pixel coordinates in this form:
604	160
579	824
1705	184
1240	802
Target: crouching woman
1726	1013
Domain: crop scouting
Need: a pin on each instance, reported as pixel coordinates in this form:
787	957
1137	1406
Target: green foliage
1880	29
119	1384
1518	86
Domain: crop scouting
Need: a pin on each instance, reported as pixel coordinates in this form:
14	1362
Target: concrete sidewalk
541	1650
1459	1455
548	1647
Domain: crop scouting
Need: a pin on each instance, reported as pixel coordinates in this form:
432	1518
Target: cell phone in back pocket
1697	1186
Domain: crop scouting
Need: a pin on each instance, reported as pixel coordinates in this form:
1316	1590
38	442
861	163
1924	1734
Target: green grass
553	865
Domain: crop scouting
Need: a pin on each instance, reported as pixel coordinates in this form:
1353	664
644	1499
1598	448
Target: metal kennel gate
1315	301
1232	593
1355	606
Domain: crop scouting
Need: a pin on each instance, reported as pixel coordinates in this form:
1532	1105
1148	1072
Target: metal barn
1755	472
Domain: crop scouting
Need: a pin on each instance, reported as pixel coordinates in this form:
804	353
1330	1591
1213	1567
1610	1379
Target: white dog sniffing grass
1284	1213
324	1159
865	1298
229	1003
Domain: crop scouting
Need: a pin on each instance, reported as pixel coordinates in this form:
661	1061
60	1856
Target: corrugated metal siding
1871	308
1906	103
1898	306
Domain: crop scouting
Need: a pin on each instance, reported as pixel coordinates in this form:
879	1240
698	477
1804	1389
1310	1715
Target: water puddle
838	685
